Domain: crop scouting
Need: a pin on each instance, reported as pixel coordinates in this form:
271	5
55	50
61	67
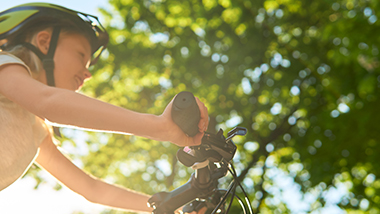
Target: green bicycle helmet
17	21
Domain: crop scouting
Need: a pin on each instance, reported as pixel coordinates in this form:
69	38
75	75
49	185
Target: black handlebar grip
185	113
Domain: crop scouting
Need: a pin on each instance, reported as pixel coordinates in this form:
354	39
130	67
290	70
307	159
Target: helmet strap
47	59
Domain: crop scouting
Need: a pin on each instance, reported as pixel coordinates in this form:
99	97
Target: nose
87	74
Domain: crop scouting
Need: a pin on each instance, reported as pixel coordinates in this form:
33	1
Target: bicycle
211	160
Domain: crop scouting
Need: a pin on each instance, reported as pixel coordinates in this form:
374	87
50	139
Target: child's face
72	59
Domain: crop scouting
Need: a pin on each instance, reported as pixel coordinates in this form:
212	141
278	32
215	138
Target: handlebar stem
200	185
203	176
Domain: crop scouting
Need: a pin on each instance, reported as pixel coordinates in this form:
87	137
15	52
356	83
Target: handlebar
185	113
210	160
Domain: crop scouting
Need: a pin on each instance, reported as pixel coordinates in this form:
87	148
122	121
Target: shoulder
8	58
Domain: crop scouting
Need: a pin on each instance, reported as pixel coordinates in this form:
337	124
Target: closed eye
81	55
83	59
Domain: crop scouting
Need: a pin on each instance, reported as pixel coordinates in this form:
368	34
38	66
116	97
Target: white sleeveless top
21	133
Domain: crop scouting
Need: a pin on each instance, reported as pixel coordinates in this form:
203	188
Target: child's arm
94	190
70	108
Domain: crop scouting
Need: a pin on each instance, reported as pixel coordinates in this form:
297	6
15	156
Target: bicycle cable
241	203
232	187
232	198
233	172
224	197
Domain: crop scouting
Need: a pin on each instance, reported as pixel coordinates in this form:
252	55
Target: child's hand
201	211
175	135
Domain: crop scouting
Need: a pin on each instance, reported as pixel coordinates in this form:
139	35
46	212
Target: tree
302	76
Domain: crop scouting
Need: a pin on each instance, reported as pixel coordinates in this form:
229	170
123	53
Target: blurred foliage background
302	76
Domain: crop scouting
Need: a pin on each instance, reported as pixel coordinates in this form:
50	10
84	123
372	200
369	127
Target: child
45	56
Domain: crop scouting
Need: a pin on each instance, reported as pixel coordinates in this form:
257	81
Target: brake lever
236	131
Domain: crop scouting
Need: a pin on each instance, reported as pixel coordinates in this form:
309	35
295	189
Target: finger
203	122
197	139
185	141
206	118
203	210
178	212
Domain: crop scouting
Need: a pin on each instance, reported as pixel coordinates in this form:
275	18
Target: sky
21	197
86	6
